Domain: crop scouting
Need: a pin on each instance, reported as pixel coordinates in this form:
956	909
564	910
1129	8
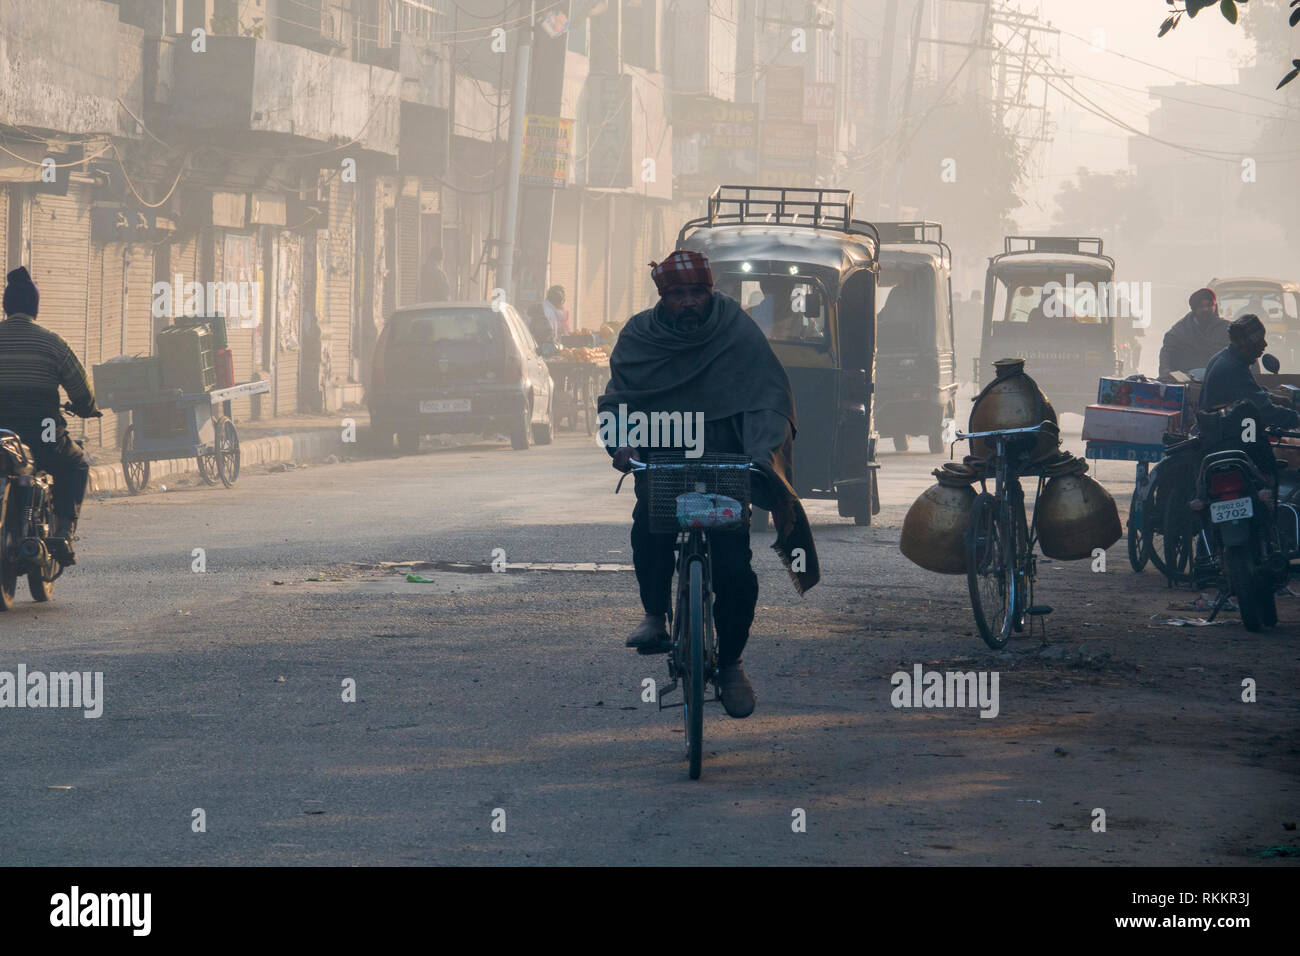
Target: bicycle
1000	561
690	497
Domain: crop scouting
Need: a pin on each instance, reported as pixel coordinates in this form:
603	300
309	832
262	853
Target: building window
416	18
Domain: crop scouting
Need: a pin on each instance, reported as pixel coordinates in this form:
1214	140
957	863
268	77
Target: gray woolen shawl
723	367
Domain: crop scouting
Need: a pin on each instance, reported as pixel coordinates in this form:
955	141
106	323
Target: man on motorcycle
1228	378
1196	337
34	362
698	352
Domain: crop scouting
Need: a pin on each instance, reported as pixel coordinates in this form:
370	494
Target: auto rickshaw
1051	301
1275	301
805	270
916	381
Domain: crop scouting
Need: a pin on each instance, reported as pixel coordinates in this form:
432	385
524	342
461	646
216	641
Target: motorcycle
26	522
1250	514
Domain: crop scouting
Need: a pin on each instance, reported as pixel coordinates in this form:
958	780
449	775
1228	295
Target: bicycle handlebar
1030	430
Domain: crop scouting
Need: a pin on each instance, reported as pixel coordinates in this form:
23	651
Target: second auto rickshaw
916	368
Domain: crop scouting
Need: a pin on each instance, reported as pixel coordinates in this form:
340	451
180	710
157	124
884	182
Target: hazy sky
1204	49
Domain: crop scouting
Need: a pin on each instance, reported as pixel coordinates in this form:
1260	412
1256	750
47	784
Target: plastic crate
188	358
216	324
127	375
672	475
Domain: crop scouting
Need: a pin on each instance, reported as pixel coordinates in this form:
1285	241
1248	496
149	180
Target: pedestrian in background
556	314
434	286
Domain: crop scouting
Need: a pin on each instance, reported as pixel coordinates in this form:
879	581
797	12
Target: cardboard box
1117	451
1157	395
1134	426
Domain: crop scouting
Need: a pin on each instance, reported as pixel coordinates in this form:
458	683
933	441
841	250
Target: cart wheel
208	468
226	440
135	472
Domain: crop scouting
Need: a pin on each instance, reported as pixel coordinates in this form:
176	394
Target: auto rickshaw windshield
1042	299
789	306
905	300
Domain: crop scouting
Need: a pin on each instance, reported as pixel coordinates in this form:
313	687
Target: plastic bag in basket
698	510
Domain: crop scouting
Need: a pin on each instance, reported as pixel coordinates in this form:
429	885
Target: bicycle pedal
1037	610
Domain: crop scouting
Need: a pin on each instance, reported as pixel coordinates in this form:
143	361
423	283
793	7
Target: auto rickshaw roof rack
802	207
921	231
1068	244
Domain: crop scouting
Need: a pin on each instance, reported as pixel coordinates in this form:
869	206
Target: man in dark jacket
34	362
698	352
1196	337
1228	378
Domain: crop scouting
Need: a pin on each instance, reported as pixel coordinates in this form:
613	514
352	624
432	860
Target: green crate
127	375
188	357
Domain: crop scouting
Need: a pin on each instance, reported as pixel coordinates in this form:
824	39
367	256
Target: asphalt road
509	697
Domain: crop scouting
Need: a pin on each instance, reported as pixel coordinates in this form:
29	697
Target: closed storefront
336	289
4	227
288	321
60	267
408	249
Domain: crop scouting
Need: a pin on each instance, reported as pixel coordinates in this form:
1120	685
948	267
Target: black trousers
735	585
64	461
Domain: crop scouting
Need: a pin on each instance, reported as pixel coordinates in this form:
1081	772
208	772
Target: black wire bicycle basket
710	492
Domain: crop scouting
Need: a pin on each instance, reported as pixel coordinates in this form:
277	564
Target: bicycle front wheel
693	685
1138	547
990	572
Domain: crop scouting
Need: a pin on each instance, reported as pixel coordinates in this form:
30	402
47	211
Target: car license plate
445	405
1233	510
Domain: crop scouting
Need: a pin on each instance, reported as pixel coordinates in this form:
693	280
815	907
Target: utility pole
518	108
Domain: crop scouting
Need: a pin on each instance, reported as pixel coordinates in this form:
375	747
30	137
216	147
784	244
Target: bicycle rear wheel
990	572
693	683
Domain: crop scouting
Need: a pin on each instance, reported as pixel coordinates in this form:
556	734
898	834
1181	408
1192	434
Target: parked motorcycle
26	522
1250	514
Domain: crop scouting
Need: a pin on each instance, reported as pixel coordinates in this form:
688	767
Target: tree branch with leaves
1230	13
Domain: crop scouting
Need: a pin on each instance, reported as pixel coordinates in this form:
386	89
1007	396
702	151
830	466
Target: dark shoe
60	541
651	636
737	694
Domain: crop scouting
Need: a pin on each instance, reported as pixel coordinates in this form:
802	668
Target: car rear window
478	330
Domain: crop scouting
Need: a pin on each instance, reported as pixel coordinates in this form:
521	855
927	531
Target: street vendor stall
580	376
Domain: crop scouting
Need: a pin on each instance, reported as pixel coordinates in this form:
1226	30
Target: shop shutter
104	302
139	301
288	321
336	326
60	267
4	227
408	250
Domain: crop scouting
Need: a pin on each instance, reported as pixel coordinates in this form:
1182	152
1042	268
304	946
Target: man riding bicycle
34	362
697	351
